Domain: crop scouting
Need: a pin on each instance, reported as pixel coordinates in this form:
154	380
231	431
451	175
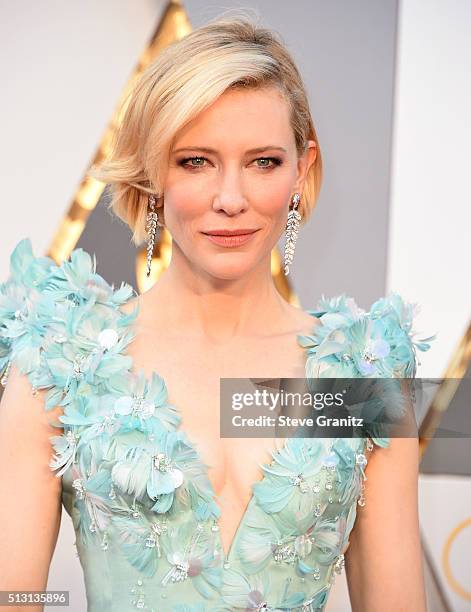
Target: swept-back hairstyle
187	77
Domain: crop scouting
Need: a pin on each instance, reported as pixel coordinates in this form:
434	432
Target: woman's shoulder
351	341
55	317
380	343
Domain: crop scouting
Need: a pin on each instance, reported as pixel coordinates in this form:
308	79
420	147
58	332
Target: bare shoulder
304	321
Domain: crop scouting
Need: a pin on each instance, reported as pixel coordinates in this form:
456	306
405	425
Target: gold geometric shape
458	588
456	370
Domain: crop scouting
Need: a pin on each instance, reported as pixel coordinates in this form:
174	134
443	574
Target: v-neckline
131	326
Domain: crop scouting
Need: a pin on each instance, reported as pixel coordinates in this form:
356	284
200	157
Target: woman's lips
230	241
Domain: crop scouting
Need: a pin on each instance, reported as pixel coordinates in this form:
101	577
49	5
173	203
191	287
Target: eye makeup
276	161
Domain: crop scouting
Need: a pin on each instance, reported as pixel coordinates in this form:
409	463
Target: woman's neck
217	310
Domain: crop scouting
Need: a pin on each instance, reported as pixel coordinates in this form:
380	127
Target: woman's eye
184	162
275	161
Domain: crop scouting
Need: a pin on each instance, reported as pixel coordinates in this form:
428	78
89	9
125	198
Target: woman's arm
384	560
30	493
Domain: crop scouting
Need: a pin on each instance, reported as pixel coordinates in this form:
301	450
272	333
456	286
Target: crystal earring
151	226
292	227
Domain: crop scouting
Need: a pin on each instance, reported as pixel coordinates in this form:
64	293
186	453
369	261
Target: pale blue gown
143	509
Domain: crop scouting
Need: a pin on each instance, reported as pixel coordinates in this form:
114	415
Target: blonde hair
185	78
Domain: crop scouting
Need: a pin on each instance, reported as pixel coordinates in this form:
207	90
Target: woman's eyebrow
213	151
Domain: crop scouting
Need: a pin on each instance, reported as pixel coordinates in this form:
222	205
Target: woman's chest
193	377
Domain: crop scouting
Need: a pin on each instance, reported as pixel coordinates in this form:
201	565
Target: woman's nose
230	195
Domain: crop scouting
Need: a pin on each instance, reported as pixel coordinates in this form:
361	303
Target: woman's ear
304	163
160	211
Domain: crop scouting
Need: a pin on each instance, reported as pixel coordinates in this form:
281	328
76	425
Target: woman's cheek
276	202
185	204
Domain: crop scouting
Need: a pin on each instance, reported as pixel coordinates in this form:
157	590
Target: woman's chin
230	270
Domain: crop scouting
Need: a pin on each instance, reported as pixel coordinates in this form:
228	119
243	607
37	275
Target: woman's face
234	167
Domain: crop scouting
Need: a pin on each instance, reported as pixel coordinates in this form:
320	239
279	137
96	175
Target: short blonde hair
187	77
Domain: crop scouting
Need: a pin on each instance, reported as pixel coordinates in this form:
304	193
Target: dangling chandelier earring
151	226
292	226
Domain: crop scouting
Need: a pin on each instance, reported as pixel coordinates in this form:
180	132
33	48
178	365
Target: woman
217	141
